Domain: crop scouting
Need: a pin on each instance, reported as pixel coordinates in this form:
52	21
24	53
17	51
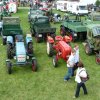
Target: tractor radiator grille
21	58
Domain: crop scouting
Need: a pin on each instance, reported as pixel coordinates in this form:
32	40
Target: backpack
84	79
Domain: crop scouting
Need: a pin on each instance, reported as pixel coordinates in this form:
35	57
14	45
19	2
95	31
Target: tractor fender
50	39
28	38
10	39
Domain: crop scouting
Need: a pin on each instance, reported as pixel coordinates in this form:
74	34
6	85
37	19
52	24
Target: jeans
74	68
69	73
79	85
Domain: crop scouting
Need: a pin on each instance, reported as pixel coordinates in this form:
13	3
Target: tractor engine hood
20	48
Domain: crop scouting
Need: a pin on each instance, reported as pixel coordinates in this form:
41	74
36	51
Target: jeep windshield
96	31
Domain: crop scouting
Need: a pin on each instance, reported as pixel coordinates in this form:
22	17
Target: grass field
47	83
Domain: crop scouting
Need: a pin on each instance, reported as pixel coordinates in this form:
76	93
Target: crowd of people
74	62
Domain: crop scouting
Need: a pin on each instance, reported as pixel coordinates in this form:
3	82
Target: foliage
97	3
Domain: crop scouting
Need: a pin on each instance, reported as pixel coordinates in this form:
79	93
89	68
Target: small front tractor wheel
9	67
54	61
97	59
34	65
88	50
49	49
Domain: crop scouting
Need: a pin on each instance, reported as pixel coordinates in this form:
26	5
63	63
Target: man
76	48
70	65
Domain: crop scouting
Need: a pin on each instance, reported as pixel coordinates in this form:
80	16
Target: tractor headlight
15	57
40	35
75	34
27	57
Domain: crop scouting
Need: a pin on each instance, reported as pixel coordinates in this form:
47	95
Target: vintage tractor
93	41
73	26
40	28
22	54
60	45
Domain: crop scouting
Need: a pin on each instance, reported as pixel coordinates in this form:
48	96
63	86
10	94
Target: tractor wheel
9	51
49	49
54	61
38	39
88	50
53	36
34	65
9	67
97	59
30	48
62	31
4	41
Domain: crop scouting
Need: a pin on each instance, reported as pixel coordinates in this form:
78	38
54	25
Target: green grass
47	83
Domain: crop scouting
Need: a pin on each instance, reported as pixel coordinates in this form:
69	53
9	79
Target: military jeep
40	28
93	41
93	17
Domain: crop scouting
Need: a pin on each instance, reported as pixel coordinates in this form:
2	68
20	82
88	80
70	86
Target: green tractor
93	41
41	28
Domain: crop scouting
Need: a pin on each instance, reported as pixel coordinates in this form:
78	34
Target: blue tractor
22	54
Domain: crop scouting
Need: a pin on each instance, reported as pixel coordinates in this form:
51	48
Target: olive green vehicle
74	27
41	28
11	27
93	18
93	41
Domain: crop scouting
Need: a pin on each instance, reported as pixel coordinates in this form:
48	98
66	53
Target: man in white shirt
70	65
76	48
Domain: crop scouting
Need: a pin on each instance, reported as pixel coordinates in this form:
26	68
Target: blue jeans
69	73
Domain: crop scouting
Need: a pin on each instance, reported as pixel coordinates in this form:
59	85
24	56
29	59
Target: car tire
34	65
88	50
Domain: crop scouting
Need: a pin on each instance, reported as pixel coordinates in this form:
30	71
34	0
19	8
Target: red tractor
60	45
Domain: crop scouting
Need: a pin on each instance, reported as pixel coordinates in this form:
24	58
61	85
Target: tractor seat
58	38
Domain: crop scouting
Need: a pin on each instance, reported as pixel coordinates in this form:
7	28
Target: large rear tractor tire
30	48
97	59
88	50
34	65
4	41
9	51
62	31
50	49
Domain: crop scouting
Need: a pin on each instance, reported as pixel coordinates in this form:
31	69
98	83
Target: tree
97	3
